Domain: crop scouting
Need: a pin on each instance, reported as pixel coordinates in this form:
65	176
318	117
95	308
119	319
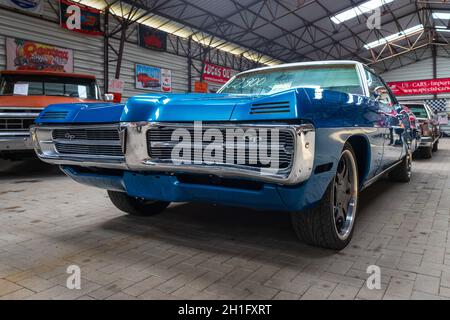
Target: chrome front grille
142	147
160	146
88	141
17	119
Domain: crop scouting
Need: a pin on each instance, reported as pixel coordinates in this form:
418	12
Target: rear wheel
436	146
426	152
136	206
330	224
402	172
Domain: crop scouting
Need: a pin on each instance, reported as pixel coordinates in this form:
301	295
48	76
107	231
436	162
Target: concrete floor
195	251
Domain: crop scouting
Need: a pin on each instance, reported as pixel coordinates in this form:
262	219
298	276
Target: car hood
299	103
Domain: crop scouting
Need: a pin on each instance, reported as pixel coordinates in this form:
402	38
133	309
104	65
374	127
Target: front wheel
136	206
330	224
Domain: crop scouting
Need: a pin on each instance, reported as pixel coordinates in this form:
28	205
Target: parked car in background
332	129
24	94
429	126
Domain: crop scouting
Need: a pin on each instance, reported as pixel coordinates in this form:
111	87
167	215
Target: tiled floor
194	251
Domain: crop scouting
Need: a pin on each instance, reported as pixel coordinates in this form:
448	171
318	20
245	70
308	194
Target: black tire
435	146
318	226
136	206
426	153
402	172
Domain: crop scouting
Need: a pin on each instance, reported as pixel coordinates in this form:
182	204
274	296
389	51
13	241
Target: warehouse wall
421	70
88	50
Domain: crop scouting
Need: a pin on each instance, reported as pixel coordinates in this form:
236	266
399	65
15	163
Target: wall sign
30	55
85	20
217	74
34	6
116	86
152	38
201	87
420	87
148	77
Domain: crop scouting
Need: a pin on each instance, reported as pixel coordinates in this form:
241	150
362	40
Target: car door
394	128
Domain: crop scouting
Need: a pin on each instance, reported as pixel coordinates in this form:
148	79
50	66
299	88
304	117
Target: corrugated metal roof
275	31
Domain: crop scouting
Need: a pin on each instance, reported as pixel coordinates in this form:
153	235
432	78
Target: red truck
25	93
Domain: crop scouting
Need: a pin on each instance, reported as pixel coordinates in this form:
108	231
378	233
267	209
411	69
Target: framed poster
89	18
153	78
33	6
30	55
152	38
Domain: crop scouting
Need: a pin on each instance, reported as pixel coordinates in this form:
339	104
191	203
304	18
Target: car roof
47	73
309	63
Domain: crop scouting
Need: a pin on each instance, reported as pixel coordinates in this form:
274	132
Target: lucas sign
420	87
217	74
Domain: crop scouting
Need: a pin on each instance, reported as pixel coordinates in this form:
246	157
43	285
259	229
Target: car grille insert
87	134
15	124
160	146
90	142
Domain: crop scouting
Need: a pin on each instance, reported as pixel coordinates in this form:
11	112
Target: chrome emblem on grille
69	136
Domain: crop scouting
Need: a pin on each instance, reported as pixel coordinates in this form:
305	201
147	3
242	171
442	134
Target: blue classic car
303	138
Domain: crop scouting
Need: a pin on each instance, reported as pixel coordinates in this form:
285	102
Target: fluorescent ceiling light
401	35
441	15
359	10
442	29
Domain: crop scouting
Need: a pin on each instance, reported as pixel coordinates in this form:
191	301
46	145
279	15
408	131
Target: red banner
217	74
420	87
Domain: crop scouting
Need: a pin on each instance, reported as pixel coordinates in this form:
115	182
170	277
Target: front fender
329	145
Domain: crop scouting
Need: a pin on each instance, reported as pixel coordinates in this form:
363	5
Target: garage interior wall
88	50
422	70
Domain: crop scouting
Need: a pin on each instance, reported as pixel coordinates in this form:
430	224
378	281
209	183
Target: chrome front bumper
133	140
15	141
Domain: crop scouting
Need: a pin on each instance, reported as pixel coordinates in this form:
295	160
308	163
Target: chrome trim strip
376	177
16	115
88	142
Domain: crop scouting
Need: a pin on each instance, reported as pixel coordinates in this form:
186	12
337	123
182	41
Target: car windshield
44	85
342	78
418	110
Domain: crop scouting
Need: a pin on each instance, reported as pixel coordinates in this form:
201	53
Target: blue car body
378	137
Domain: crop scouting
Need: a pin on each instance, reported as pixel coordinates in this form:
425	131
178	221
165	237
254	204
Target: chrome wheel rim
409	164
345	195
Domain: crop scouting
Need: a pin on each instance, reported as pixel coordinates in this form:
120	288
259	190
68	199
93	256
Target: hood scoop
53	115
270	108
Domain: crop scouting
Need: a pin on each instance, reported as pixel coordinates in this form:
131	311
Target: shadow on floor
29	168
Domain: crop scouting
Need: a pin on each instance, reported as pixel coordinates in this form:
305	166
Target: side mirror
109	97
